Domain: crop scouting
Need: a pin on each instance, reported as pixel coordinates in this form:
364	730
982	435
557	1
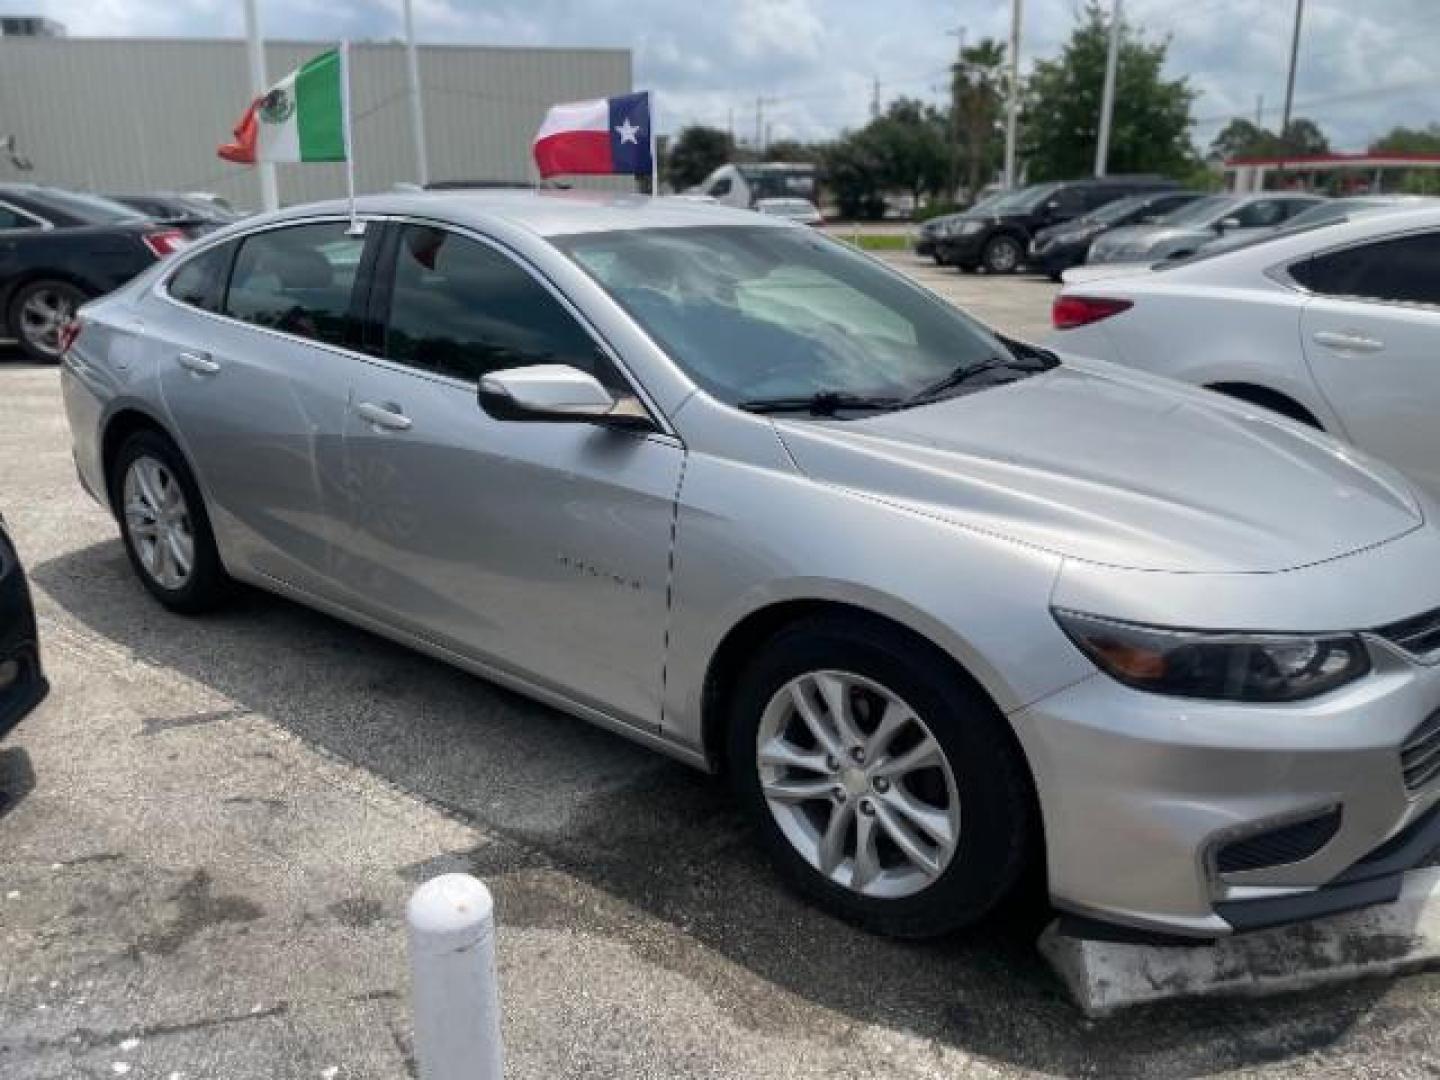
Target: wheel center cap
854	781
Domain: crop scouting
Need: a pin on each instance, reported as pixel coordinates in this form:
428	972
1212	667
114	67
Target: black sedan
59	249
194	217
1058	248
22	681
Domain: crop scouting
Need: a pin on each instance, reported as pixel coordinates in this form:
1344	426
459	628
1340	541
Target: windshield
92	208
1024	200
1115	211
765	313
1201	211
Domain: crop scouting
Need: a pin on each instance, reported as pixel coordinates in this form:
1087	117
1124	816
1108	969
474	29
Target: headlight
968	228
1219	665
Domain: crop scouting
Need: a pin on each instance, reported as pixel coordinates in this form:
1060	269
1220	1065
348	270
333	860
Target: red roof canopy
1352	160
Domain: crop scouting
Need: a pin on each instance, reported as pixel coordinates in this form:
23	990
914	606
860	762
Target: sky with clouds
1364	67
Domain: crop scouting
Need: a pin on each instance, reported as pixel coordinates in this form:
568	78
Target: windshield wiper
822	403
1025	359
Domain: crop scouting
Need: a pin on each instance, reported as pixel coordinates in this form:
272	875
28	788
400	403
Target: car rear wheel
879	778
39	311
1003	255
165	527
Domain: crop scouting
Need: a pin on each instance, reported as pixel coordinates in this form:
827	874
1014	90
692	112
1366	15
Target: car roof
545	213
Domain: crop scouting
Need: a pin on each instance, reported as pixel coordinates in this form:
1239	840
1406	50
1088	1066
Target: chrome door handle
1343	341
384	416
199	363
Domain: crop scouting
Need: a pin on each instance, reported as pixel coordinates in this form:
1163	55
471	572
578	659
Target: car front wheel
879	778
165	527
39	311
1003	255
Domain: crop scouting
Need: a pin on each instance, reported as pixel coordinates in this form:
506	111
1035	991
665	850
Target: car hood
1095	462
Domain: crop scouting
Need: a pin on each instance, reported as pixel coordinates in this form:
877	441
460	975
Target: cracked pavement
209	833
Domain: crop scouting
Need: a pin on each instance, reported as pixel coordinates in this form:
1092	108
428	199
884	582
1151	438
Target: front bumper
956	249
1055	258
22	680
1145	797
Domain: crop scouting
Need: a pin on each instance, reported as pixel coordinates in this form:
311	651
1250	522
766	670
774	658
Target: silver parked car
1186	230
941	605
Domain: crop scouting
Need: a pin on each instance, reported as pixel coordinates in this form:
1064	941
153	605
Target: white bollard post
453	989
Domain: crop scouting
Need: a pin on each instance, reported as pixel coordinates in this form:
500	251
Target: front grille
1419	636
1420	755
1279	847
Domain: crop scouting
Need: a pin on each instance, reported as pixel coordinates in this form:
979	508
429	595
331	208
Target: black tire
1003	255
207	585
991	778
44	348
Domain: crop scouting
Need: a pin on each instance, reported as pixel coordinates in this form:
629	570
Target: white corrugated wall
132	115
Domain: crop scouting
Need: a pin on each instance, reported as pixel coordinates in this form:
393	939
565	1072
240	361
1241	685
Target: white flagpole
356	228
654	148
269	191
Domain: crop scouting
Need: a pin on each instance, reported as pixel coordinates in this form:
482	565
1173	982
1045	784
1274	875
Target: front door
1370	335
543	548
259	395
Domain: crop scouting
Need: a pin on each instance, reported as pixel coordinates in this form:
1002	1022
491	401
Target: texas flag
607	135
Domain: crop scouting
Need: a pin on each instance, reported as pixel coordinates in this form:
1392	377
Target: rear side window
12	219
460	308
201	281
1404	270
297	279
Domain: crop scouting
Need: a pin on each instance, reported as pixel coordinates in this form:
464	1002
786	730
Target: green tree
902	150
1241	138
979	85
1150	127
1403	140
696	152
790	150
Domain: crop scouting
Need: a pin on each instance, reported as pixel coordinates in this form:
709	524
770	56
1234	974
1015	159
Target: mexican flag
300	118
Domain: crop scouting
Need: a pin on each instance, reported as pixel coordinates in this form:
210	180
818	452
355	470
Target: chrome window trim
161	290
40	222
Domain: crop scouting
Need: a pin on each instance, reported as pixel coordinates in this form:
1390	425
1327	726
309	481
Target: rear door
541	548
254	358
1371	335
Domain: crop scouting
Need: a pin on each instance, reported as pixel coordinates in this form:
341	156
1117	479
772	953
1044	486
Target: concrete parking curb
1102	977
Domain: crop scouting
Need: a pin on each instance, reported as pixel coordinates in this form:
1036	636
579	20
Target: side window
1068	202
1261	214
1405	270
720	187
298	280
460	308
1097	197
201	281
1290	207
1163	205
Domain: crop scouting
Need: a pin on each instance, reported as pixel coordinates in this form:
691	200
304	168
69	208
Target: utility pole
730	127
1290	80
269	193
874	98
417	105
760	103
957	127
1107	98
1259	110
1012	107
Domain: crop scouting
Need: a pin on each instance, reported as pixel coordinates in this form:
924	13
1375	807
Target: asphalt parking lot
209	832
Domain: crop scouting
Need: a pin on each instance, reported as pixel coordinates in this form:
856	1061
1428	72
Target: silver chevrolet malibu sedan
942	605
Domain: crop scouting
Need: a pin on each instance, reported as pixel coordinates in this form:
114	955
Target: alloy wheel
1003	256
157	520
858	784
43	316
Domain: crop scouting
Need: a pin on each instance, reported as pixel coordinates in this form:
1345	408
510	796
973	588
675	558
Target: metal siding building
131	115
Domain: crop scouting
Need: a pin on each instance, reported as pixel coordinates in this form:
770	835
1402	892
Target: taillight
1069	312
68	334
164	242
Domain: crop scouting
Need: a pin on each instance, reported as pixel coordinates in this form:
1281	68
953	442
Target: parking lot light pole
269	193
1107	101
1012	107
453	988
417	105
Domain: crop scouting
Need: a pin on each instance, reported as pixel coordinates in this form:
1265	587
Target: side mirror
1226	224
557	393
